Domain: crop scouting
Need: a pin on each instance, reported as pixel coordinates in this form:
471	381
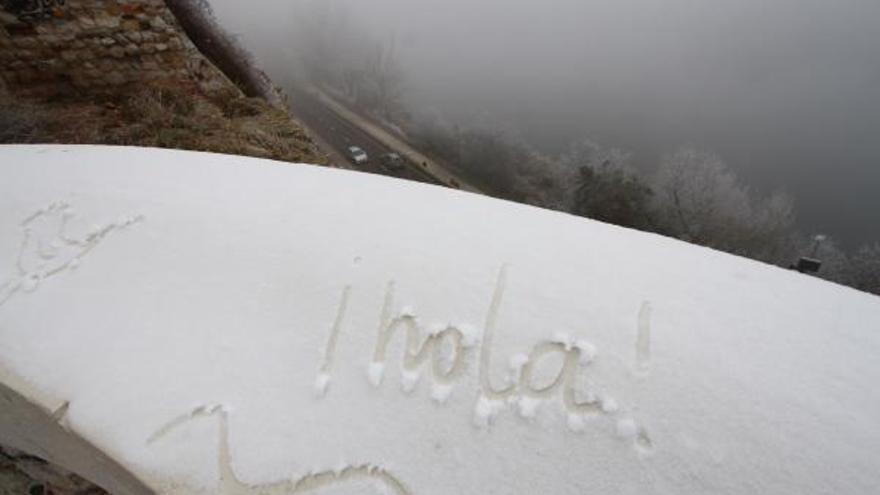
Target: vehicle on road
391	162
357	155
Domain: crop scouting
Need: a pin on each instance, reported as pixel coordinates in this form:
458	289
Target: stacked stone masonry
98	45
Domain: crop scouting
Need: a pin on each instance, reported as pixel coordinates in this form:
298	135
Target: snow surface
193	339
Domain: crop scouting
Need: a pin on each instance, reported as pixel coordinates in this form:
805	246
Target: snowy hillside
226	325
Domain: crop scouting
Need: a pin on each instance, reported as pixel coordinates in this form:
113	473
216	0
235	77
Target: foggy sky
786	91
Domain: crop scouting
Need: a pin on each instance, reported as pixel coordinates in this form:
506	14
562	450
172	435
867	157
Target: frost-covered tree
698	196
835	263
492	158
605	188
766	234
538	181
699	199
502	163
864	269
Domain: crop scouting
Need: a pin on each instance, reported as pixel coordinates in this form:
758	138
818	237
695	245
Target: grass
164	116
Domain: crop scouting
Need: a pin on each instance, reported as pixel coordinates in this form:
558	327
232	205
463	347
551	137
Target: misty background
787	92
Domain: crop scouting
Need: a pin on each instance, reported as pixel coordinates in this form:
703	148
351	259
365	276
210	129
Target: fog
786	91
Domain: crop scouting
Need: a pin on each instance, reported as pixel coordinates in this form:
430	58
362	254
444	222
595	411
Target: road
332	131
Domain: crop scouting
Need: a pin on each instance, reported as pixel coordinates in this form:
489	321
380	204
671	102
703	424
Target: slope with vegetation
165	116
140	72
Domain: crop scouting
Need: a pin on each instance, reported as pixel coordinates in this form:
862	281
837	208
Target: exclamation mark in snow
643	339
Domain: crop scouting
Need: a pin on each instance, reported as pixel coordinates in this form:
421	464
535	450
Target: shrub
610	193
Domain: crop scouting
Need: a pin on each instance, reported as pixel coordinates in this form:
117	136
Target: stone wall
87	46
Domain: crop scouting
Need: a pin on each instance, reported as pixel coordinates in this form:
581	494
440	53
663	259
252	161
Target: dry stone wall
49	47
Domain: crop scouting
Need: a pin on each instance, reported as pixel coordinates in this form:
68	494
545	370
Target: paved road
337	133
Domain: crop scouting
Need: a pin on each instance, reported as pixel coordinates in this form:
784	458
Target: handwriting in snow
444	352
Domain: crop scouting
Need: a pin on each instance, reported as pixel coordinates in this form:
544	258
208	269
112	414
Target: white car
357	155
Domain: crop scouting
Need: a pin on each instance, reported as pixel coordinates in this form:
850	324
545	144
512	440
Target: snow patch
576	422
436	329
528	406
485	411
470	334
627	428
321	383
587	351
375	373
407	312
515	364
31	282
609	405
440	392
564	339
409	379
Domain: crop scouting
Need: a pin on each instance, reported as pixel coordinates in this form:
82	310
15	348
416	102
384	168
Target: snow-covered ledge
188	323
28	425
